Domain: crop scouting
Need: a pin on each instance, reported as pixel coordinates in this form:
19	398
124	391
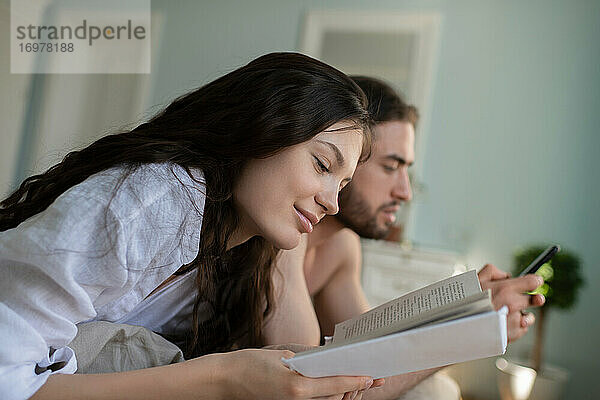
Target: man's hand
512	292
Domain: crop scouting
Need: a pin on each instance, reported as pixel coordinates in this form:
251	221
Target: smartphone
541	260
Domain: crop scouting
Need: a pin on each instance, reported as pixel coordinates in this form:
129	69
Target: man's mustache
390	204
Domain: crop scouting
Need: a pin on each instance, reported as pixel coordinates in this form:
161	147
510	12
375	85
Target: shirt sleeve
85	250
53	267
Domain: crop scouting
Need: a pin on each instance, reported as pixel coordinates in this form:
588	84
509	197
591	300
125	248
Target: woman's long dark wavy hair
275	101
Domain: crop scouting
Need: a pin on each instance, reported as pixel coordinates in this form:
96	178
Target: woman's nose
329	201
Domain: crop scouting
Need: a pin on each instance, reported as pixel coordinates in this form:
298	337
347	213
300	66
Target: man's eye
390	168
321	166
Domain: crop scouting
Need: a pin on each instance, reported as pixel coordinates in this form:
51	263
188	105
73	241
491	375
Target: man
322	276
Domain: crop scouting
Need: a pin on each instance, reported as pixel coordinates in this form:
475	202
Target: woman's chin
288	242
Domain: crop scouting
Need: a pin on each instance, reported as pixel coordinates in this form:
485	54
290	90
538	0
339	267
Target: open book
447	322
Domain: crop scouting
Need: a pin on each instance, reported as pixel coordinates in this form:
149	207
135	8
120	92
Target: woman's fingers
378	383
350	395
359	394
259	373
293	347
337	384
356	394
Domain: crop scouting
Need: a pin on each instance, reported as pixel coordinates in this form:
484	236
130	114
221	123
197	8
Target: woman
202	196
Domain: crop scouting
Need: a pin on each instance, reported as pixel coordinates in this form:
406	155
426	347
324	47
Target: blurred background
508	90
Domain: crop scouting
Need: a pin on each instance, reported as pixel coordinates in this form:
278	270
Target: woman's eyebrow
338	154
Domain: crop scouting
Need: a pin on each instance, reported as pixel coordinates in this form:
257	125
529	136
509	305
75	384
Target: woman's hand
244	374
260	374
296	348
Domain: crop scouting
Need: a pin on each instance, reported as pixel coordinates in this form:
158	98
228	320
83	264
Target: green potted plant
562	281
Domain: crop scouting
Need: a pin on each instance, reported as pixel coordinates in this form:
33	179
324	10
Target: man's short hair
385	103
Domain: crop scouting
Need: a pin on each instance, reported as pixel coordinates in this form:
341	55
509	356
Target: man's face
368	205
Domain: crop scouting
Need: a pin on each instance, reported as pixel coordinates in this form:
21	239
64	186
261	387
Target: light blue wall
512	151
512	146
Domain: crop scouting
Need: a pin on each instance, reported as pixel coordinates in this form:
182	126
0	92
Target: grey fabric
108	347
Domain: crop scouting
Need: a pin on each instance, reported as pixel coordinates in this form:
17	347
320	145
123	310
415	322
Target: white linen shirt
94	254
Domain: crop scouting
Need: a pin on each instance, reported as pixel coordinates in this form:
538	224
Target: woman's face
284	196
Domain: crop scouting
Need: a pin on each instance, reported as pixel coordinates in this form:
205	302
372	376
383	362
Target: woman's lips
304	221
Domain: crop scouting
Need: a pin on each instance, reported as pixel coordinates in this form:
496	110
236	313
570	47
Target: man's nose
402	190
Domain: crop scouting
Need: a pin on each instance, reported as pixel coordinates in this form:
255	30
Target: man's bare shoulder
342	248
344	239
340	251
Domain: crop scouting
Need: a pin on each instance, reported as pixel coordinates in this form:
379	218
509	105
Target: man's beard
356	214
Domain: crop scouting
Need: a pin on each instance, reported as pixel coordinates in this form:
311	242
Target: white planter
550	383
515	380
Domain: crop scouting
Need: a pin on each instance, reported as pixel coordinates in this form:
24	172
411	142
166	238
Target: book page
438	300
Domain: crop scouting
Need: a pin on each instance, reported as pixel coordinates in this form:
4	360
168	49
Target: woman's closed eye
321	165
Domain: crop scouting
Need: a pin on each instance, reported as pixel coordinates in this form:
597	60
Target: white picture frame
369	32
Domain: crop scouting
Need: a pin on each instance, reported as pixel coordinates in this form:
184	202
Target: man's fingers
515	329
491	273
512	292
516	334
528	283
535	281
522	284
515	302
537	300
527	319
